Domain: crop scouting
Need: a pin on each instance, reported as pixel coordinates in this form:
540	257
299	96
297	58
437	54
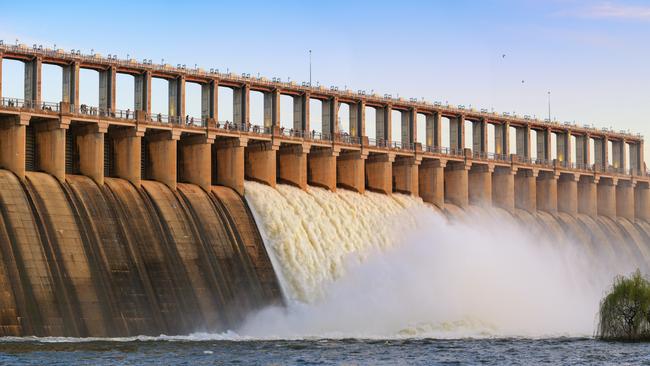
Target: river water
566	351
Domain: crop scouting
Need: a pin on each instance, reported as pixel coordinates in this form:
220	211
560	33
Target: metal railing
29	104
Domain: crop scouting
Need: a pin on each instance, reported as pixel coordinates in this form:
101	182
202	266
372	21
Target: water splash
377	266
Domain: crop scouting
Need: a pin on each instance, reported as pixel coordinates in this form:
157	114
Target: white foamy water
374	266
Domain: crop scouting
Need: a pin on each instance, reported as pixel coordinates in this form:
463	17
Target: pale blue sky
594	56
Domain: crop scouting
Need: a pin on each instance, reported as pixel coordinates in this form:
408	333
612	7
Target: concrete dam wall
78	259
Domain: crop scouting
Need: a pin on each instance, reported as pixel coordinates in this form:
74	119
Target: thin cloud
611	10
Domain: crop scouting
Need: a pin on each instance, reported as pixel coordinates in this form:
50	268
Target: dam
128	222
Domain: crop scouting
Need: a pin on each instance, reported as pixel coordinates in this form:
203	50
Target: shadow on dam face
78	259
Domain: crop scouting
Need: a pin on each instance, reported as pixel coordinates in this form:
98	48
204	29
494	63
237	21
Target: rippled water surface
326	352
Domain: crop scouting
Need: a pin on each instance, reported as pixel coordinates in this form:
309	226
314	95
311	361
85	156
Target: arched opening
490	138
51	83
371	124
160	99
343	119
256	108
193	95
88	91
421	129
13	82
445	132
225	101
469	134
286	113
396	126
533	147
125	92
316	116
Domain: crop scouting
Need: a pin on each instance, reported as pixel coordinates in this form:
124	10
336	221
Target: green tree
625	311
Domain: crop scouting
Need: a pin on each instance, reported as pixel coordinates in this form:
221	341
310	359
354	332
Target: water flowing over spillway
373	265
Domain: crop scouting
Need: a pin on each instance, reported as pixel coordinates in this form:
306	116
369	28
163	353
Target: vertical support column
479	136
501	139
523	141
70	78
272	108
127	159
633	153
301	113
12	143
600	161
480	184
260	162
142	92
431	182
194	160
642	201
330	117
405	175
544	145
379	173
625	199
241	105
50	139
547	191
503	188
357	119
33	81
561	146
210	100
567	193
292	164
162	159
587	195
228	163
351	170
580	151
457	133
90	144
383	123
177	97
606	194
606	153
408	123
321	167
526	190
456	183
107	90
434	125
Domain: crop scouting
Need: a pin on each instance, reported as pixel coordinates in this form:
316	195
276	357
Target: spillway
82	260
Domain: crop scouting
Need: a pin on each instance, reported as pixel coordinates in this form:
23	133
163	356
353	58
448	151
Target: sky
503	55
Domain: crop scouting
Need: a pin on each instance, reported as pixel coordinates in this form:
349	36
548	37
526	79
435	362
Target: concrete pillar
409	128
357	119
606	194
526	190
50	151
587	195
405	175
70	79
567	193
301	113
260	162
90	145
329	115
177	97
142	92
351	171
210	100
600	159
634	157
562	147
479	136
241	105
457	133
321	168
642	201
431	181
379	173
383	123
434	128
582	151
544	145
12	143
228	163
292	164
107	89
456	183
522	134
625	199
547	191
618	155
501	139
32	87
272	108
195	160
1	57
503	188
480	184
127	149
162	159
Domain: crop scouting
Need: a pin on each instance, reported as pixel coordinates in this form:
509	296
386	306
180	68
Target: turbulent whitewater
372	265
